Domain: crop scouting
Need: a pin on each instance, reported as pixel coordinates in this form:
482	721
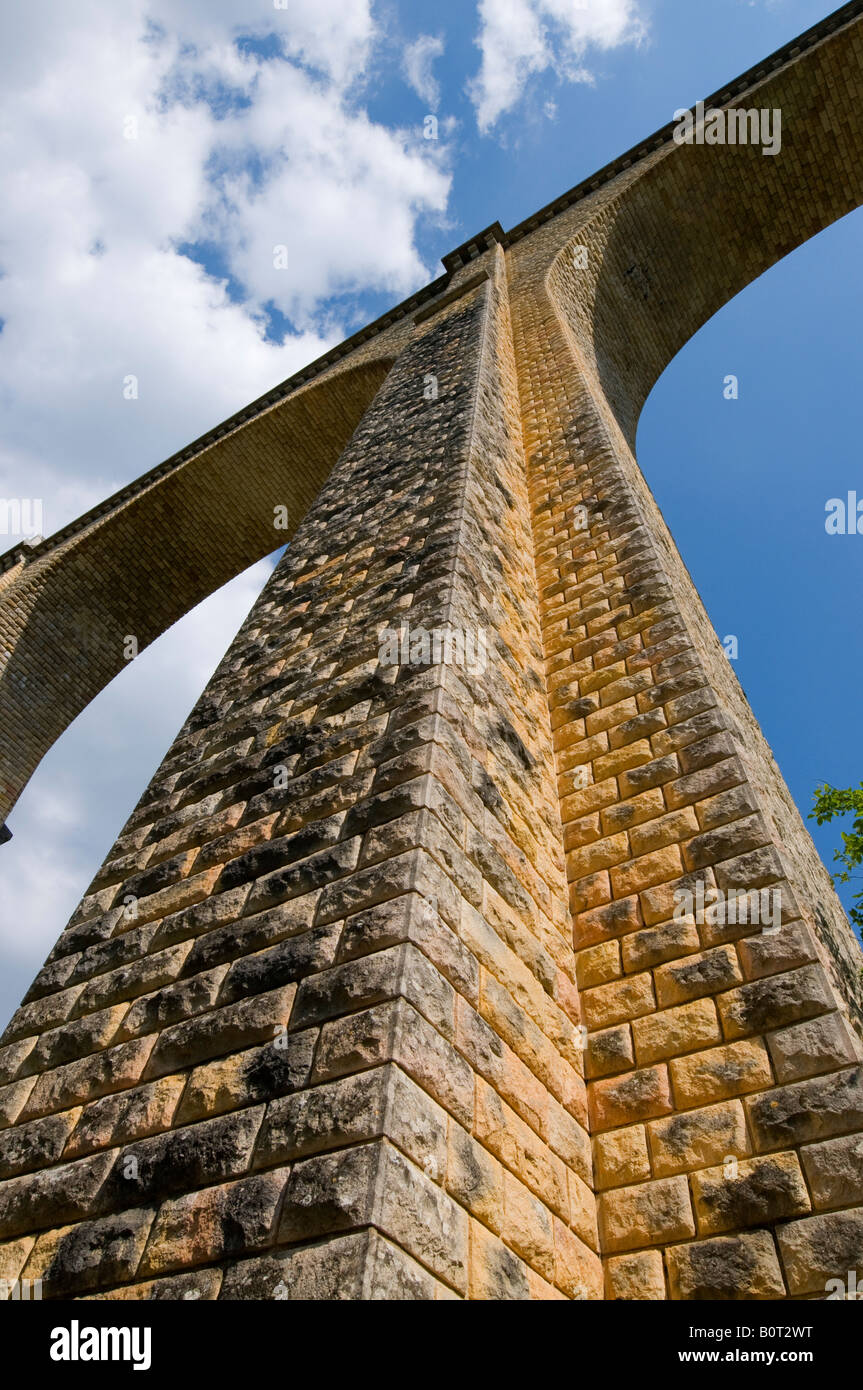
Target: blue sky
304	126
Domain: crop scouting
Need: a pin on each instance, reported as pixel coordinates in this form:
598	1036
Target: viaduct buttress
384	990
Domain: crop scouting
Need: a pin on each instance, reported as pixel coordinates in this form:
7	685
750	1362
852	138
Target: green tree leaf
829	804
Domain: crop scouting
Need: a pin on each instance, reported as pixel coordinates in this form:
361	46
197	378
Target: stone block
610	1051
753	1192
230	1219
807	1110
220	1031
77	1259
652	1213
726	1269
820	1248
620	1157
640	1095
676	1031
636	1278
697	976
775	1001
808	1049
720	1073
698	1138
834	1171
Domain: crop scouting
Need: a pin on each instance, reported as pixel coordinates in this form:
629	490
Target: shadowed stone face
399	982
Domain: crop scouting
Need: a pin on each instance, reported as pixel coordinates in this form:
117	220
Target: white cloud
333	36
241	147
519	38
419	59
339	192
94	286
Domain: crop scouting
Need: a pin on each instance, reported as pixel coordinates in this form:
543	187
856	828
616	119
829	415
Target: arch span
131	570
676	237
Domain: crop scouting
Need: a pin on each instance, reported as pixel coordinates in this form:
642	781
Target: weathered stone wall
323	1024
726	1090
723	1073
398	907
68	610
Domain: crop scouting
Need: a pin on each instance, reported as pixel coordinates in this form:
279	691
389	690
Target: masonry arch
779	591
708	220
134	566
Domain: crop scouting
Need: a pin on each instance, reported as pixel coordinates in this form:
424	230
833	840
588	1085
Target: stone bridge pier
467	942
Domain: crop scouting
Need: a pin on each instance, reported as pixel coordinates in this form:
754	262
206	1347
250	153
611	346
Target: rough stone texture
387	974
729	1268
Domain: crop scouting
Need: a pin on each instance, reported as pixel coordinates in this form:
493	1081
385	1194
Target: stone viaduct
385	989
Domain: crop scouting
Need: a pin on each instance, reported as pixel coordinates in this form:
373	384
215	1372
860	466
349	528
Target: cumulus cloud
152	156
131	143
419	59
328	202
520	38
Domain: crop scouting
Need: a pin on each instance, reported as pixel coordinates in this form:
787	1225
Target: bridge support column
720	981
314	1032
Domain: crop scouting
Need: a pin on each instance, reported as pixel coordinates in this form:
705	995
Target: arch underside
673	240
66	615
